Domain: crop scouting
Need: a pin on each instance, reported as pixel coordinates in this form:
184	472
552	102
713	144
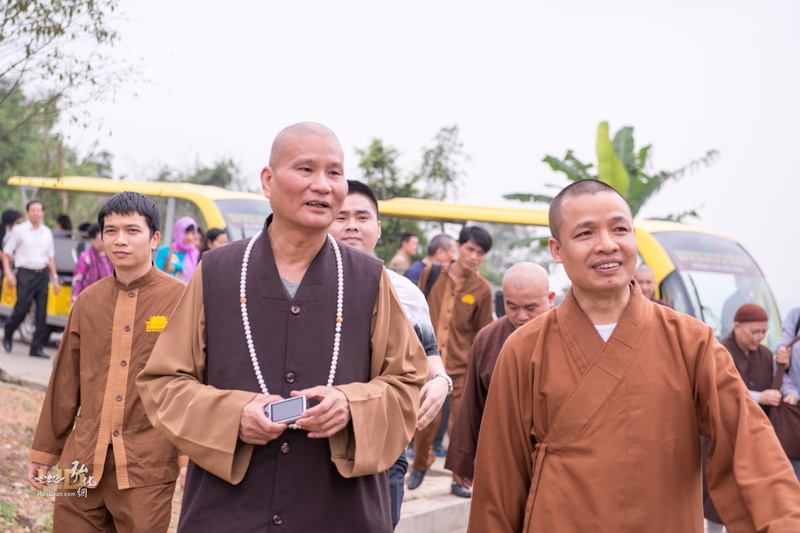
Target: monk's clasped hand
254	426
328	417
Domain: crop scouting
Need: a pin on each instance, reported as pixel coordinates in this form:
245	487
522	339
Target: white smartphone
286	411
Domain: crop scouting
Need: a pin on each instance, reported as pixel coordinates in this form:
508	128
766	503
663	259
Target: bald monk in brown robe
288	312
595	408
526	295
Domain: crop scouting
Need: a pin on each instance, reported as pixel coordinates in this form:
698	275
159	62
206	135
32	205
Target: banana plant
621	166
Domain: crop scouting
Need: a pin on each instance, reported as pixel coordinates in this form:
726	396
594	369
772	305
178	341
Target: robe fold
581	435
480	366
201	377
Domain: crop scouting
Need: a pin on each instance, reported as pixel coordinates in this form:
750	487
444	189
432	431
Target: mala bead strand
246	319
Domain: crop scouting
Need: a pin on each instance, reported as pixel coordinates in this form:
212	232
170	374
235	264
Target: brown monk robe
586	434
461	451
632	462
755	365
526	295
254	329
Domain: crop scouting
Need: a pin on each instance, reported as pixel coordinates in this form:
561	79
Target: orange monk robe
624	454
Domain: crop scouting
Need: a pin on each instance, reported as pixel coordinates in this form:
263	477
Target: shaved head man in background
526	295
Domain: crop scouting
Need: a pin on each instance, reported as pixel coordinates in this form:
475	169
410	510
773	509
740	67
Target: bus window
243	217
715	276
673	291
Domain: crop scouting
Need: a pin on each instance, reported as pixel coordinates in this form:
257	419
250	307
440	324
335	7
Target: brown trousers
106	508
423	440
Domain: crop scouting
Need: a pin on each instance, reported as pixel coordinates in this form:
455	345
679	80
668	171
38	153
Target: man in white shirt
32	247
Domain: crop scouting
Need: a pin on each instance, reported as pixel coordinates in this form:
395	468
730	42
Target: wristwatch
447	379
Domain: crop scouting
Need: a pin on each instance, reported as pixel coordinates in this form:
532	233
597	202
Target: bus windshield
714	277
243	217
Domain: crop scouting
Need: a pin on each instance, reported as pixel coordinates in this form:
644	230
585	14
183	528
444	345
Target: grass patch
7	513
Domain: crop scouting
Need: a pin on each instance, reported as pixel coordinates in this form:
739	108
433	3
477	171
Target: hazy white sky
521	79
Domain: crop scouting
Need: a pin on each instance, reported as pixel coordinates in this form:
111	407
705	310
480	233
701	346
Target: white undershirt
605	330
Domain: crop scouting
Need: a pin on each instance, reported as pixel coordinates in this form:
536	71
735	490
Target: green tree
440	170
379	167
34	149
55	49
224	173
622	167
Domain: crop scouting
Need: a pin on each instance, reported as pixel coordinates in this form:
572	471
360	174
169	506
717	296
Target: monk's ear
266	180
555	249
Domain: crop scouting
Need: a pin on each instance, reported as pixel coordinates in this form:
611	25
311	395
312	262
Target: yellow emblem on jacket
156	323
468	299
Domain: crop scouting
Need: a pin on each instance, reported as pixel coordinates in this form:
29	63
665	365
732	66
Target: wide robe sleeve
503	464
464	438
384	410
62	401
200	420
750	479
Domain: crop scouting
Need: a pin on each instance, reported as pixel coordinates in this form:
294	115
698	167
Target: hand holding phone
286	411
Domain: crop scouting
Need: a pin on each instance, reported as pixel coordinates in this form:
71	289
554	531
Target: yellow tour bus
699	272
242	214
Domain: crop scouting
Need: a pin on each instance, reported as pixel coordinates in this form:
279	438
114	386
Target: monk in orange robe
595	409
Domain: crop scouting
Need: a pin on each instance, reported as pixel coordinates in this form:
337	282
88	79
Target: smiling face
597	243
305	181
357	224
748	335
129	245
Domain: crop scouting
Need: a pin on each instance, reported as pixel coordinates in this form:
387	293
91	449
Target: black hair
478	235
212	236
128	202
405	237
10	216
84	226
213	233
358	187
440	242
64	221
34	201
93	230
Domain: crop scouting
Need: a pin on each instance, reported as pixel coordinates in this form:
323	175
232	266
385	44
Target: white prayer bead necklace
246	320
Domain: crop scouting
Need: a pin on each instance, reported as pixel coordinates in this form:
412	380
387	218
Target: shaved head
646	279
522	276
579	188
526	293
303	129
